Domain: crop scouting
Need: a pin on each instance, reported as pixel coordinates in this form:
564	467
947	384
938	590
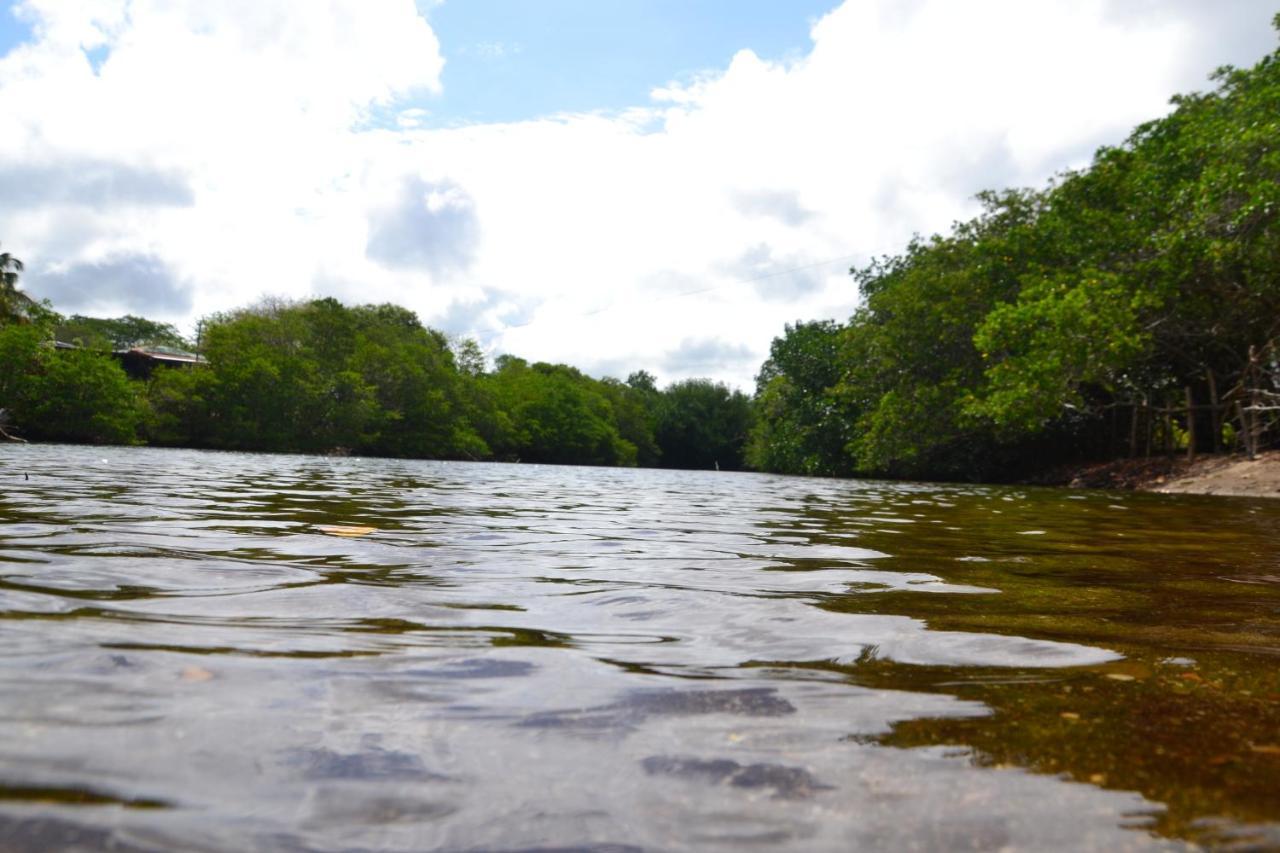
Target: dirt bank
1222	474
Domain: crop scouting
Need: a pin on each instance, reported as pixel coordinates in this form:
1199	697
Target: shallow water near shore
214	651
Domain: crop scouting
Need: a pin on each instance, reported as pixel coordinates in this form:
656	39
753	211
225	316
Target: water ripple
312	653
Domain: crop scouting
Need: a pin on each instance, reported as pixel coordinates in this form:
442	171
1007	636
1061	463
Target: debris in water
345	529
196	674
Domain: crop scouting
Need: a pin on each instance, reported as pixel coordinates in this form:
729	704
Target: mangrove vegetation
1128	308
320	377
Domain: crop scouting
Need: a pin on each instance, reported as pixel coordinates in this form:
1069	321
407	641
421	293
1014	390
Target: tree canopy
1148	277
15	306
318	376
119	332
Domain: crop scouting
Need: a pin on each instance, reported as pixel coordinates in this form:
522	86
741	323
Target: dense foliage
321	377
1067	322
68	394
119	333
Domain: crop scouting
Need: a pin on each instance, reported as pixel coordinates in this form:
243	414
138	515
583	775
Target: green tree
64	395
120	332
81	396
553	413
801	427
643	381
178	410
1168	247
469	357
635	414
1005	343
422	400
318	375
910	363
23	352
702	424
15	305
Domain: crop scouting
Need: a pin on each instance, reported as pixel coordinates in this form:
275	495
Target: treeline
321	377
1128	308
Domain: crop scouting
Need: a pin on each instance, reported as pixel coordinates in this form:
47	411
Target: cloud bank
177	157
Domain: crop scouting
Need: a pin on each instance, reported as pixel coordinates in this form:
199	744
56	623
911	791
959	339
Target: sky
624	185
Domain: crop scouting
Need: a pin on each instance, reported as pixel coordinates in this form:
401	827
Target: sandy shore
1225	475
1221	474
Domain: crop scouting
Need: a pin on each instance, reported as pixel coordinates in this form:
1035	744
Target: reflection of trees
1186	718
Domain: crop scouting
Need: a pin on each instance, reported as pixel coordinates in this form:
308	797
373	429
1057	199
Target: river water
214	651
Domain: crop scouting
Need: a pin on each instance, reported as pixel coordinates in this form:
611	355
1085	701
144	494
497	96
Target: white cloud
431	227
252	102
239	132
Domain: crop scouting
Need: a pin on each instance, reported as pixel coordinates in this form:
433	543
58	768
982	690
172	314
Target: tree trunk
1246	429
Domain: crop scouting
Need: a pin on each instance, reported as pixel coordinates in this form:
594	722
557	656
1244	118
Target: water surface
217	651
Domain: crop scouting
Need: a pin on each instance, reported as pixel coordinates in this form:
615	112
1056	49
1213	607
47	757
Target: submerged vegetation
1127	308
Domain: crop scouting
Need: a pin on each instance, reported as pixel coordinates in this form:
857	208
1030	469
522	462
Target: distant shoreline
1223	474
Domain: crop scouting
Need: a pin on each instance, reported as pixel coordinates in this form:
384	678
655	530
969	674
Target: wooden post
1150	424
1215	413
1133	431
1113	443
1252	428
1256	424
1191	426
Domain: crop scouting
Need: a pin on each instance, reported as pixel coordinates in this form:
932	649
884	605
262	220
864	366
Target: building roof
164	355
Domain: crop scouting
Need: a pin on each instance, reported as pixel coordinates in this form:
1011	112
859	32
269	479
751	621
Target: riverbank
1216	474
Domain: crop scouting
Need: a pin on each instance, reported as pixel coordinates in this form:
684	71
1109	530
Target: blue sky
507	60
510	60
501	167
12	30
